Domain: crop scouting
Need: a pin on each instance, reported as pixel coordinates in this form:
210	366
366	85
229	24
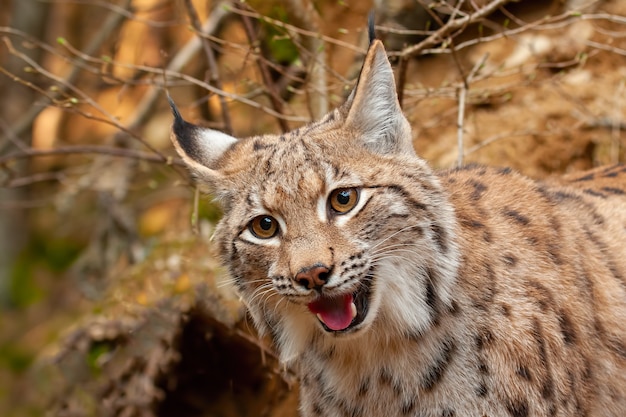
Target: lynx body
396	290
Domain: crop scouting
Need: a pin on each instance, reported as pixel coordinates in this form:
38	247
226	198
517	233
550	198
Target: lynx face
321	223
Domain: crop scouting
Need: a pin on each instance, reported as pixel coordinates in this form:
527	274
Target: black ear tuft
179	122
199	147
371	30
184	131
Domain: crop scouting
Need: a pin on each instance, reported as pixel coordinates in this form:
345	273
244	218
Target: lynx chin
397	290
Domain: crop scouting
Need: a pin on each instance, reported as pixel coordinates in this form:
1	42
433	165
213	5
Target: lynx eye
343	200
263	227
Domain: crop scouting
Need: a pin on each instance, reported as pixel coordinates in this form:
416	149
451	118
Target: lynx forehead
396	290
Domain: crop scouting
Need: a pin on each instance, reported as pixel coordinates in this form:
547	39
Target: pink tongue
336	312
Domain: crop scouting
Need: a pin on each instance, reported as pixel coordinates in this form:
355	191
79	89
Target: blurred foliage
279	43
44	251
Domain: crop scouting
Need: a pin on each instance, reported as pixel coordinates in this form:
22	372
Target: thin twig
275	100
300	31
111	24
495	138
604	47
32	179
450	26
121	10
463	89
90	149
546	23
72	88
459	123
304	14
214	75
615	126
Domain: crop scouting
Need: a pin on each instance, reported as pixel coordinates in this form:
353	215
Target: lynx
397	290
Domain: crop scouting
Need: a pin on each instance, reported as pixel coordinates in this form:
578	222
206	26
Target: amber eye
343	200
263	227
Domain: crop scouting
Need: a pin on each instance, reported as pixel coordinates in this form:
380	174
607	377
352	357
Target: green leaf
96	351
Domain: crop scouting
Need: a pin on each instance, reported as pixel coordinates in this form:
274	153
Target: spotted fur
482	292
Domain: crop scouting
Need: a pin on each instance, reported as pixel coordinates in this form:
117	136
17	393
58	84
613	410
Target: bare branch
277	104
113	22
451	26
90	149
214	76
463	89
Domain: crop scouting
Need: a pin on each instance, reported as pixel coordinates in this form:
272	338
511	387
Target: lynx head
335	230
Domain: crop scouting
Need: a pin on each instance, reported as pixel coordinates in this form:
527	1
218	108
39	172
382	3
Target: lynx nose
314	277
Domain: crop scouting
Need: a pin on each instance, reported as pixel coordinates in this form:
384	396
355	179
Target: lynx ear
374	110
199	147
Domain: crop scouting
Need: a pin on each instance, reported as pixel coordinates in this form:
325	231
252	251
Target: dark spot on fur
547	388
364	387
593	193
439	234
437	369
349	410
617	346
476	224
454	308
576	200
258	145
532	241
397	388
552	410
317	409
523	372
483	339
330	353
613	190
399	190
553	251
479	189
408	407
471	223
506	310
510	260
603	248
517	408
431	296
414	335
558	196
541	294
384	377
516	216
483	368
540	340
482	390
448	413
567	328
587	177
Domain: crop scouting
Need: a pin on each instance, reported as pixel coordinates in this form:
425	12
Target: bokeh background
112	299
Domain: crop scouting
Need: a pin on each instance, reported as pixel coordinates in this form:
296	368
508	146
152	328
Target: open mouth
343	312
